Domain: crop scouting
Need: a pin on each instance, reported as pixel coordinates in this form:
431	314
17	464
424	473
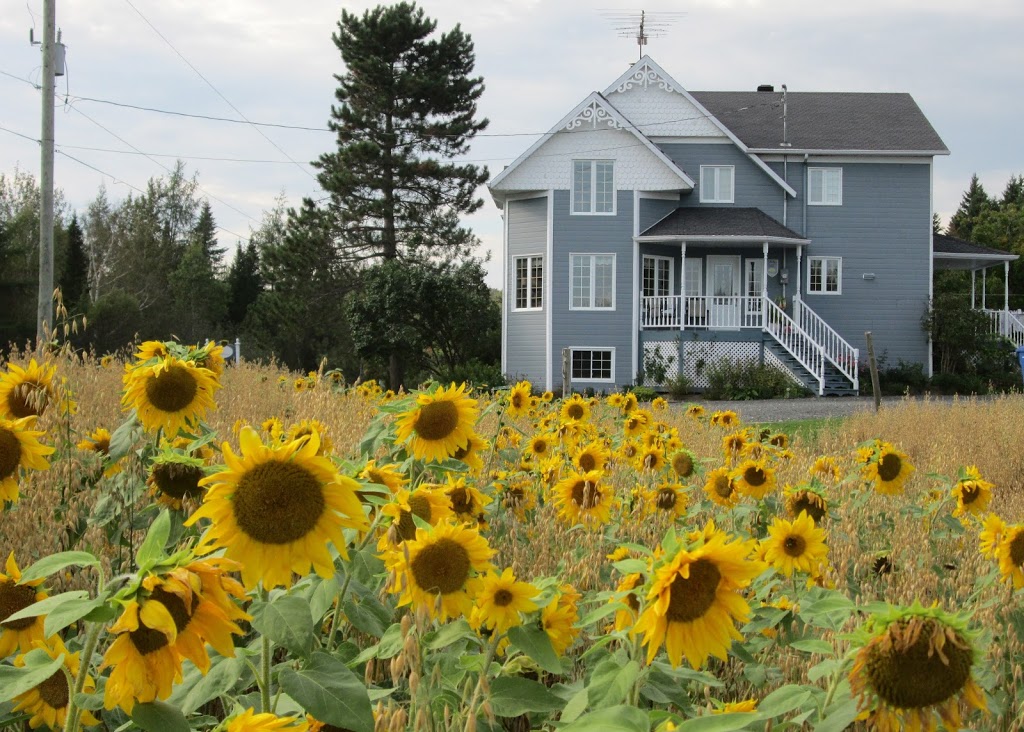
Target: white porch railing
701	311
797	342
1008	323
842	355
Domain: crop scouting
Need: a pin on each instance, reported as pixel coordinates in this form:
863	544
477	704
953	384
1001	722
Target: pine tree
205	233
244	283
74	280
1013	194
974	201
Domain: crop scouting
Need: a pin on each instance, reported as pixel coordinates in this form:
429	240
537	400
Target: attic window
825	186
593	186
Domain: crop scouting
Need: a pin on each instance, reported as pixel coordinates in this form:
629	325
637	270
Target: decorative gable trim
646	72
599	113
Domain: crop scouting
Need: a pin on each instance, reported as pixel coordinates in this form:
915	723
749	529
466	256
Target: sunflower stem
833	684
265	663
337	610
74	712
492	648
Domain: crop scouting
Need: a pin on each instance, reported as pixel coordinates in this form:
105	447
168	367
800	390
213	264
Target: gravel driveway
780	410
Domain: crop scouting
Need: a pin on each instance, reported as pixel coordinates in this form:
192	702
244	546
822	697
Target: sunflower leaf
534	642
331	692
158	716
287	620
614	719
69	612
152	549
15	681
56	562
47	606
124	438
513	695
718	722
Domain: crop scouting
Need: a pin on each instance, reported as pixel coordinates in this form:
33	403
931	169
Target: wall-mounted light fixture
868	275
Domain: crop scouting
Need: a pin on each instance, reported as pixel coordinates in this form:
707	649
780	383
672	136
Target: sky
274	62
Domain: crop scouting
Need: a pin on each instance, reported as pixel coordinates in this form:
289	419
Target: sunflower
437	570
439	424
889	469
98	441
500	601
754	478
593	456
26	392
581	499
629	402
19	448
1010	554
826	468
425	503
779	440
305	428
734	442
519	399
15	596
795	545
650	459
668	499
151	350
695	411
558	618
174	478
470	454
106	361
210	356
575	409
683	463
990	535
250	721
467	502
47	702
625	618
659	404
518	495
807	498
747	705
540	445
273	427
636	422
972	494
914	663
720	489
144	664
275	509
171	395
726	418
615	400
389	475
694	600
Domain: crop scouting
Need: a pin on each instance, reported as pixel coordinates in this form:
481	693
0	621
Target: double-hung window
716	183
529	282
593	187
825	186
593	281
825	275
593	365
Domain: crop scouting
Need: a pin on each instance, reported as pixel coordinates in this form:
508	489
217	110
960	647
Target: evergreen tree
244	283
936	223
74	280
1013	194
205	233
974	201
407	103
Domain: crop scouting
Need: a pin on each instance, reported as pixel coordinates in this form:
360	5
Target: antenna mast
642	26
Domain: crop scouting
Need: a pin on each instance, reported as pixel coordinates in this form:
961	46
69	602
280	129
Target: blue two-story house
657	230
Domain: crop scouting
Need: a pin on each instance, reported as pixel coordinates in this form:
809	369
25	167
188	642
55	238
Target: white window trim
823	202
574	349
671	274
703	196
593	188
593	280
824	273
543	275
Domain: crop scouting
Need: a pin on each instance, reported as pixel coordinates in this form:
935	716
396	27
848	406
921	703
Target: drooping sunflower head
172	394
582	499
303	429
19	449
439	424
826	468
174	478
659	404
626	593
990	535
519	399
472	453
806	498
15	596
47	702
720	489
795	545
389	475
26	392
250	721
913	664
1010	553
972	493
575	409
754	478
210	356
275	509
684	463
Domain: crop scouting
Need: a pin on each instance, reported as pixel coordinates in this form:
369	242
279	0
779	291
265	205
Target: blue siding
525	337
598	329
653	210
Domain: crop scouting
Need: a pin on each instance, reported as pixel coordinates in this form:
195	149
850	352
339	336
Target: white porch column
764	271
1006	286
973	273
799	269
682	285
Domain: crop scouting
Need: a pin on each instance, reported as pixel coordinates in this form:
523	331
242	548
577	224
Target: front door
723	288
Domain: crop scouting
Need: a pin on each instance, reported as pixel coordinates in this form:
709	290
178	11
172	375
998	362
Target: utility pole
44	317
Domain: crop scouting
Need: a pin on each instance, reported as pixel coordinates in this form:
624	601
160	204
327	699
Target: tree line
379	277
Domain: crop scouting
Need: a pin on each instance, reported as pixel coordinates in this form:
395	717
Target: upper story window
825	186
716	183
825	275
593	187
593	281
529	282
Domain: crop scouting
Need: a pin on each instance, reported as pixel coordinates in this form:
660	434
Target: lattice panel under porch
772	359
698	356
665	353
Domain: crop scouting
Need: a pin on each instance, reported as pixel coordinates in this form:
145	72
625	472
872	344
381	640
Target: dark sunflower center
630	451
514	496
723	486
102	446
503	598
913	676
419	506
27	399
462	501
651	461
1017	550
587	462
146	640
54	691
175	606
683	465
442	567
517	400
575	411
882	565
278	502
632	601
690	597
889	466
437	420
461	454
585	494
812	507
754	476
666	499
172	389
10	453
540	447
15	597
794	545
970	493
177	481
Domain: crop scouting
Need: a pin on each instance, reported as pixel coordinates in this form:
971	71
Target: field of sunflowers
190	545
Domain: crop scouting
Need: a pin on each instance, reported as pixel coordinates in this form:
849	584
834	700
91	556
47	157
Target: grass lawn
805	429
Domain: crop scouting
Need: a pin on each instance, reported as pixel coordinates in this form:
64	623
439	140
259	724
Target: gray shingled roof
944	244
825	120
707	221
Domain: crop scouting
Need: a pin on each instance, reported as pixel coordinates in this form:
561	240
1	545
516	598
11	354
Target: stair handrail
837	349
796	341
1014	327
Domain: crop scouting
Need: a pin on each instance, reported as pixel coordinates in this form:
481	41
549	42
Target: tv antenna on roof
642	26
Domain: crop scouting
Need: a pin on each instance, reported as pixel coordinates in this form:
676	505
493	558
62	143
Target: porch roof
721	224
948	252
